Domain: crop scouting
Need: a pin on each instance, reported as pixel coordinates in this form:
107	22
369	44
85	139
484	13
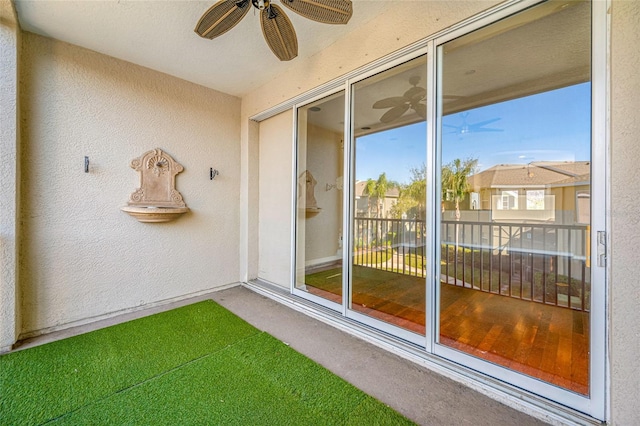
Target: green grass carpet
199	364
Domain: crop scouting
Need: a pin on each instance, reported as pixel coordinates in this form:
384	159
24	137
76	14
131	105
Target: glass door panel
389	194
515	277
320	153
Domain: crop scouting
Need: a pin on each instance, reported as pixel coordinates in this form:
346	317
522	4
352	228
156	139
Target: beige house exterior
552	192
70	256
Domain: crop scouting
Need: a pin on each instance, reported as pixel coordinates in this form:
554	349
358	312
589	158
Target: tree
382	186
455	181
412	199
378	189
369	190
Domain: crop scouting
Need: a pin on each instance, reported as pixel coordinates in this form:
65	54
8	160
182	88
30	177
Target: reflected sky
549	126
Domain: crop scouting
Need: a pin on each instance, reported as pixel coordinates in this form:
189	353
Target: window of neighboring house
508	200
535	199
583	207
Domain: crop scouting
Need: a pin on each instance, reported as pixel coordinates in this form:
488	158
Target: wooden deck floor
546	342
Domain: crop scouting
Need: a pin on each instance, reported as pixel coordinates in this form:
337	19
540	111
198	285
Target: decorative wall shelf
157	199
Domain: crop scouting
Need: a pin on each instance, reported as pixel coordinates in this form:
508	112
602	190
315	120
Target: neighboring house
553	192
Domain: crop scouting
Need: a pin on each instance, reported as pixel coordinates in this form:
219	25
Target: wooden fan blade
415	93
325	11
221	17
421	110
394	113
279	33
394	101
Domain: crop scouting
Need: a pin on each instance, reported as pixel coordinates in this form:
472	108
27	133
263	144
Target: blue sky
550	126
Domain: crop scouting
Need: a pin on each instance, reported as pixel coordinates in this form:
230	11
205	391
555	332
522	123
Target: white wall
80	256
274	227
9	175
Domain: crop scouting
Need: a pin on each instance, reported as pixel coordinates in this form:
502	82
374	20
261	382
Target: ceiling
527	54
159	34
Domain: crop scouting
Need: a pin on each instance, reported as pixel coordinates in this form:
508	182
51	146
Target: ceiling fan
412	98
465	128
276	26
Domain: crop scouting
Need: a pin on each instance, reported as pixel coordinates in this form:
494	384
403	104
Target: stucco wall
81	257
274	224
624	286
9	174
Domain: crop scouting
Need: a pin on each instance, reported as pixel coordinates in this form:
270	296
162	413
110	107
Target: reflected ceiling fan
413	98
276	26
465	128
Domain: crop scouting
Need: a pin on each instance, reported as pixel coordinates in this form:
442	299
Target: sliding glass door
454	202
388	238
514	288
319	209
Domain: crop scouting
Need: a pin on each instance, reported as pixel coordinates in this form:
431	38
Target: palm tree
455	181
370	191
381	188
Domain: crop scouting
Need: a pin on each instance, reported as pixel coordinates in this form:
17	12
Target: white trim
600	205
431	203
348	196
320	261
294	200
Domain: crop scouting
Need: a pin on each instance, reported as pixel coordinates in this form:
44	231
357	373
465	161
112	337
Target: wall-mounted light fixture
213	173
337	185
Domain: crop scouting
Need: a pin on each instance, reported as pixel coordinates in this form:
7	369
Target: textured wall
9	174
274	263
625	220
82	257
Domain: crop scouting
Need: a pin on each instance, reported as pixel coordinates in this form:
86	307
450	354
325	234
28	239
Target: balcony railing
544	263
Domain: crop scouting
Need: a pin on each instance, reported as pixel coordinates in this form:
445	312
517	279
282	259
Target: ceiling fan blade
279	33
394	113
484	129
394	101
325	11
483	123
421	109
415	93
221	17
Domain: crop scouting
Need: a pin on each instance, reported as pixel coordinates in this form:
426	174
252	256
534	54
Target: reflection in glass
388	263
516	152
320	151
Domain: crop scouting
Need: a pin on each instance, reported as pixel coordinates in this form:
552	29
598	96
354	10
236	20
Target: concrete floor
418	393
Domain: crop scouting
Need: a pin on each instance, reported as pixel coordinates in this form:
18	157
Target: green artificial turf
199	364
